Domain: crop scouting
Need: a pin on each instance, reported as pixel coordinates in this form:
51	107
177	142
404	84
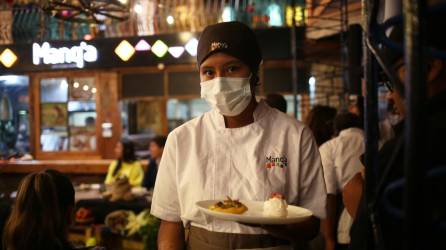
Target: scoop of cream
275	207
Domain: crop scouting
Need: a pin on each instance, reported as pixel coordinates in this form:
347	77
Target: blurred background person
342	171
41	214
277	101
126	165
320	121
156	148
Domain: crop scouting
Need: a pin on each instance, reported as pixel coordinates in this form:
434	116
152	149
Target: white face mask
229	95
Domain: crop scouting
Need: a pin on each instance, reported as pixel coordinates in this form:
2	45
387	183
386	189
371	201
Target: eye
232	69
207	72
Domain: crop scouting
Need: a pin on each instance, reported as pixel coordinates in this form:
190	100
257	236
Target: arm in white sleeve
312	191
326	151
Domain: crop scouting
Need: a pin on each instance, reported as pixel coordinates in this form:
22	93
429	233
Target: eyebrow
224	65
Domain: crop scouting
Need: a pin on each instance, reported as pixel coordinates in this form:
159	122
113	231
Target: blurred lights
86	88
191	46
125	50
76	85
176	51
312	81
8	58
88	37
299	15
94	90
138	8
64	84
159	48
228	14
170	20
274	13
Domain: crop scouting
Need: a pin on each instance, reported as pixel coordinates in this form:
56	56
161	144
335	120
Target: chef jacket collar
262	110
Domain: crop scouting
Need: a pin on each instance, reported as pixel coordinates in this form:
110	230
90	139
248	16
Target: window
68	114
181	111
14	115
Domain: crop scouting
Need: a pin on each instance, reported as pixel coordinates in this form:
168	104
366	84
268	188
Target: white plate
254	215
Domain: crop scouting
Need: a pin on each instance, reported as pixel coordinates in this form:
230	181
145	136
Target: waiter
229	151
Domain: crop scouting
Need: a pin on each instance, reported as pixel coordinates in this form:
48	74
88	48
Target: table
100	207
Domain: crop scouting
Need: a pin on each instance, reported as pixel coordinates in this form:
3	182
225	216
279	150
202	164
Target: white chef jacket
341	161
204	160
341	158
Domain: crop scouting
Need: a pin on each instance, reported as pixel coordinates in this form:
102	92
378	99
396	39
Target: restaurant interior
77	77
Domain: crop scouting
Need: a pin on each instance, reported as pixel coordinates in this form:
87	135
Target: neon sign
76	54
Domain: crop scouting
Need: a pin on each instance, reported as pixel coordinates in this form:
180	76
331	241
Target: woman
156	148
42	213
230	151
126	165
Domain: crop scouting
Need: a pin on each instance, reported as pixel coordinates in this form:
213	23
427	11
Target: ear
436	66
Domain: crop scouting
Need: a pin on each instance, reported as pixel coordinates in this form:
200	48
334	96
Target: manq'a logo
271	162
219	45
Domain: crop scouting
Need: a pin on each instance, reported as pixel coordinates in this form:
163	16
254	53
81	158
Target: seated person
126	165
42	213
156	148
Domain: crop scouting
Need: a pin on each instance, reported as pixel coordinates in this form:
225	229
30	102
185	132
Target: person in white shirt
342	171
241	149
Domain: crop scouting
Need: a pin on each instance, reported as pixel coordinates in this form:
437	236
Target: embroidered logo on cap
281	162
218	45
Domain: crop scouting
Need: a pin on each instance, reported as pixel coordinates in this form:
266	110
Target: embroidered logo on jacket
271	162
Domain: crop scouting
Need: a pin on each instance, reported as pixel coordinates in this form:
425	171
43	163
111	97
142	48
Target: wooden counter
64	166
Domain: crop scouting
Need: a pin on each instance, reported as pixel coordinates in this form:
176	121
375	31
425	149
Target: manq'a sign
78	55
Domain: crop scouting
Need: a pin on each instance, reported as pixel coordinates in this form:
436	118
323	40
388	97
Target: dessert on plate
276	206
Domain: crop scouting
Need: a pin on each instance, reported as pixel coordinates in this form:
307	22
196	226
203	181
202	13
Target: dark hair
347	120
159	140
320	121
277	101
128	154
41	213
89	121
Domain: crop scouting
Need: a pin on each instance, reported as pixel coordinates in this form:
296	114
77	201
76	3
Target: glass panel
68	114
82	114
53	90
143	117
83	89
54	117
181	111
14	116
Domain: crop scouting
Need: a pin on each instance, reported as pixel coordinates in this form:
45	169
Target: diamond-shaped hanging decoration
8	58
159	48
142	45
125	50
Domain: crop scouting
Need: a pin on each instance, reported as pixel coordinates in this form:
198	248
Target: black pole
415	144
343	9
293	41
370	115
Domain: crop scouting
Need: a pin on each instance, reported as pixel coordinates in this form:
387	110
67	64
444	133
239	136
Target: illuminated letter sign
76	54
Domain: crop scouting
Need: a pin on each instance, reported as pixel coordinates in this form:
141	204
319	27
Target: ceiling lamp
191	46
88	11
159	48
142	45
8	58
125	50
176	51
